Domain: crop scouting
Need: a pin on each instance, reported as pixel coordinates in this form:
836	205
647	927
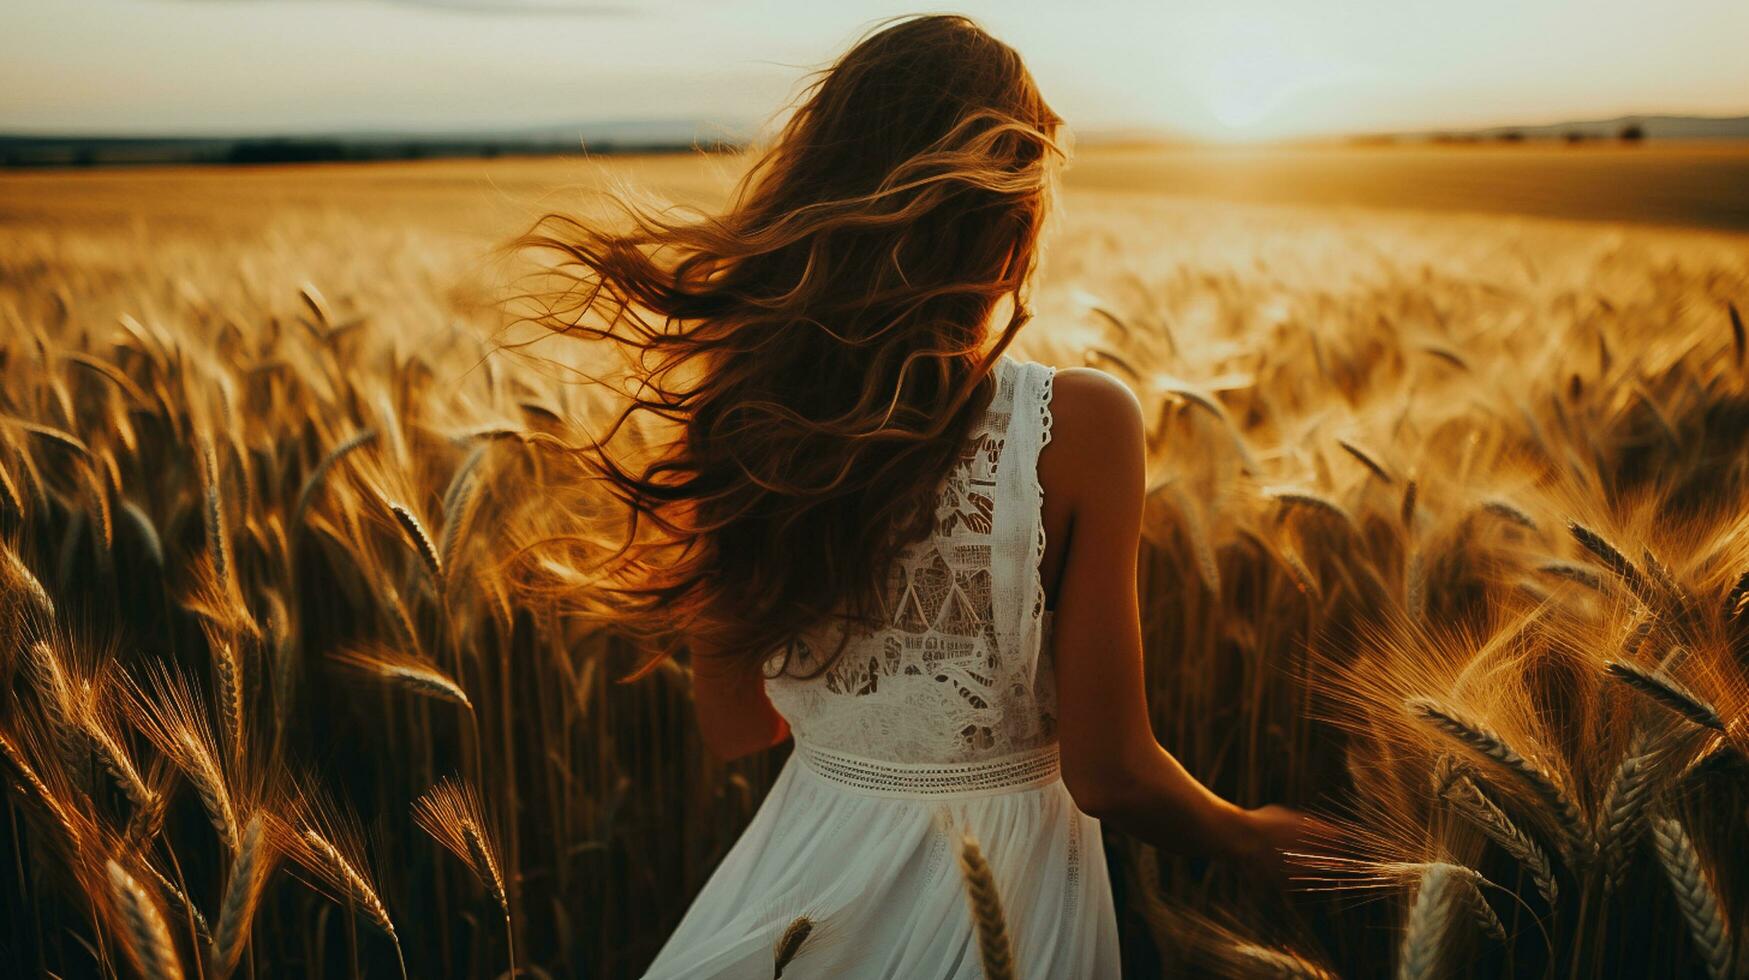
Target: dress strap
1018	547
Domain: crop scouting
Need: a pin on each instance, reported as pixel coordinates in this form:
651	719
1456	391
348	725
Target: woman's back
925	733
951	676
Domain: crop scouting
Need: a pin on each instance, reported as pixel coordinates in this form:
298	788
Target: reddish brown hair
819	351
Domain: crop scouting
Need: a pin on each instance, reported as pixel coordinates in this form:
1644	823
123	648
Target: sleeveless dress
938	725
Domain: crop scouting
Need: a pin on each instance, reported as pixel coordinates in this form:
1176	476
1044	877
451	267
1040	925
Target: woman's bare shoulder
1097	435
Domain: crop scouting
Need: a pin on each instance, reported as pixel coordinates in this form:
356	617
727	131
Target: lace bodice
954	674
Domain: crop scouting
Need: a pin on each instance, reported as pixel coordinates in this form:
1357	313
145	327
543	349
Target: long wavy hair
815	355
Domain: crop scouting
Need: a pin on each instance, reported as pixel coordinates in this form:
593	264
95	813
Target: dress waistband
1007	774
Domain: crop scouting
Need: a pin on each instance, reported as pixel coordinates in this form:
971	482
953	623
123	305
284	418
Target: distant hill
627	136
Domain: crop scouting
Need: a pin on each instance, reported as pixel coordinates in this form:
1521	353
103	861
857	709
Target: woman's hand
1273	833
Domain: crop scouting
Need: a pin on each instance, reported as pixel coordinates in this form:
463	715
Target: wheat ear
1291	498
242	891
1281	963
229	669
407	672
1694	894
351	882
200	923
1447	893
459	506
1666	581
50	802
1621	817
1486	742
1613	559
1573	572
16	576
1302	576
1509	512
1367	460
420	540
114	760
1467	798
1196	535
986	904
144	933
218	531
790	944
209	784
319	475
1430	918
1664	689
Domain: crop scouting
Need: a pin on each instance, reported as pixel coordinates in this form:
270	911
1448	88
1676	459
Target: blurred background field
1380	383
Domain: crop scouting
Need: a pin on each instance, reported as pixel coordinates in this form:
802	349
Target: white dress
940	724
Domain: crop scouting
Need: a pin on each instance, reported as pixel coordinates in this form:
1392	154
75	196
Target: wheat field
1448	538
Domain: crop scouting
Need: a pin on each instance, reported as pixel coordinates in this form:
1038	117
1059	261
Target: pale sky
1206	68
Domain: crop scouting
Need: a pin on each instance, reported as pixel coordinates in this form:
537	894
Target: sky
1210	69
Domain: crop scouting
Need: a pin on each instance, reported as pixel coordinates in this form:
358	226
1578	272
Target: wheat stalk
1302	577
1196	534
16	578
986	905
174	719
202	769
413	529
114	760
1467	798
9	493
217	528
1510	512
249	868
347	879
1694	895
1666	691
1415	584
1665	579
1573	572
405	671
1621	817
200	924
50	801
1600	548
789	944
1486	742
1292	497
1281	963
451	813
229	669
144	934
319	475
1367	460
1427	935
50	434
459	507
1447	893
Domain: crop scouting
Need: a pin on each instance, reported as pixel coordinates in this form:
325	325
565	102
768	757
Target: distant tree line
1631	132
75	152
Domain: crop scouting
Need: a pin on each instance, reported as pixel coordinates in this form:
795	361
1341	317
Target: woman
880	535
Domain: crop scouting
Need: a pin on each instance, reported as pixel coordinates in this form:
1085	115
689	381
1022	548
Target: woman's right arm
1114	767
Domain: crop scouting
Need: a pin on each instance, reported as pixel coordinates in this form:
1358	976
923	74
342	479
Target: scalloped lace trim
1047	388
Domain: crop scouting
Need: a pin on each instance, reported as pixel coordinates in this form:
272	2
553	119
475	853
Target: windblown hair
818	352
